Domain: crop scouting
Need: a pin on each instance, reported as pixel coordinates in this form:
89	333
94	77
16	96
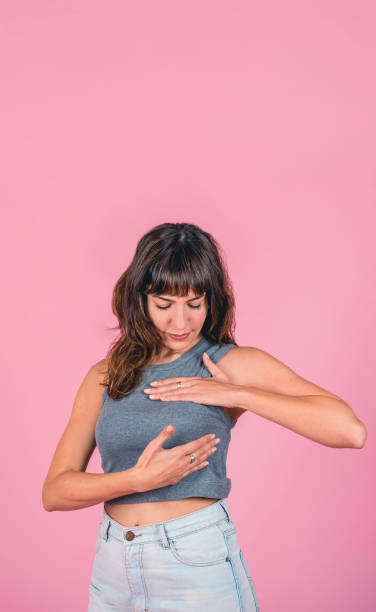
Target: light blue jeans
190	563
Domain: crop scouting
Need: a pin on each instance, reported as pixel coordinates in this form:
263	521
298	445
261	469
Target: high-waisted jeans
190	563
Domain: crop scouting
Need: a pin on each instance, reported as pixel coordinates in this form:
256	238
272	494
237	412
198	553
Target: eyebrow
168	300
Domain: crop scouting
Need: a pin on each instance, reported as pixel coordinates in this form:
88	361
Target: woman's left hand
213	391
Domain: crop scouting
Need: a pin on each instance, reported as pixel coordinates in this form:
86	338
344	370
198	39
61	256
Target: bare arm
269	388
73	490
69	487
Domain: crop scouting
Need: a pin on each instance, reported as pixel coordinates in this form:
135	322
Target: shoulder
249	365
254	367
98	370
234	361
238	361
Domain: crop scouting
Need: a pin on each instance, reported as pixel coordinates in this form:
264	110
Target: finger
197	467
163	435
214	369
156	392
204	444
169	397
178	396
201	455
167	388
194	445
174	386
207	360
173	380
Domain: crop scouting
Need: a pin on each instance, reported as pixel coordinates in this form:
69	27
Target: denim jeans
190	563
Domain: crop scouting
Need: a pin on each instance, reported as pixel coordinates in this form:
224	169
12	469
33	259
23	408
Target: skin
181	315
247	379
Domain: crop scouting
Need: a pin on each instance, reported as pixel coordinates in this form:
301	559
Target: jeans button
129	535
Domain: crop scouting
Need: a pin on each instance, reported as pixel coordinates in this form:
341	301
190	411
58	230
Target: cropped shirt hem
212	489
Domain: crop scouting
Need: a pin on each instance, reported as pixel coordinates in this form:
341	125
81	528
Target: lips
178	337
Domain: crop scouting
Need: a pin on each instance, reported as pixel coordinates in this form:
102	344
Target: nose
179	321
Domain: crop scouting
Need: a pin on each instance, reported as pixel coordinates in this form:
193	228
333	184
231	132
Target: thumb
213	368
165	434
210	365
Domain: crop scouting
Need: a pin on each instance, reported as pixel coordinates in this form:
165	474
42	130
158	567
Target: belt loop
223	504
105	533
163	534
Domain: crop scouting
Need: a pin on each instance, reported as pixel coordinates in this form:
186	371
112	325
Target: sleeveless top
125	427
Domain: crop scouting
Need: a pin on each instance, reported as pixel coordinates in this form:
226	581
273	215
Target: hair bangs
170	259
176	276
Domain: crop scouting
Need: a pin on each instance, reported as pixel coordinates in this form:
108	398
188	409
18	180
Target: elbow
358	435
46	501
47	506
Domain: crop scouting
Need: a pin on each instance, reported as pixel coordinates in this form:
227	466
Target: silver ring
179	383
193	458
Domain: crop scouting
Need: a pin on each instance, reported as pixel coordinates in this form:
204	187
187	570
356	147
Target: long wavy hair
171	258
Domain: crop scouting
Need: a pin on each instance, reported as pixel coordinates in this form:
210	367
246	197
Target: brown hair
171	258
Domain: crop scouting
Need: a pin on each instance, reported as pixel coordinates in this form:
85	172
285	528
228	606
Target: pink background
255	121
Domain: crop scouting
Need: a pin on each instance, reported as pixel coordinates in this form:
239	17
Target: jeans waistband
163	530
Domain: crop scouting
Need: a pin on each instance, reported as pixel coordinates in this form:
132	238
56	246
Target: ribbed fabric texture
125	426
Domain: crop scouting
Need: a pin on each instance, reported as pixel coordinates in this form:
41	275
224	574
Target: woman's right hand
158	467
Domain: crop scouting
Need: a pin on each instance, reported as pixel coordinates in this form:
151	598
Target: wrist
244	397
137	480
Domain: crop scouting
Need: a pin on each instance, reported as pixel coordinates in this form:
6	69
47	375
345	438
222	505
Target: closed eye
165	307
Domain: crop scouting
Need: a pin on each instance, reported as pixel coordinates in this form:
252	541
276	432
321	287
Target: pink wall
256	121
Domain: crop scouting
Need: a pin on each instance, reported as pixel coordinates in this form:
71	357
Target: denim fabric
190	563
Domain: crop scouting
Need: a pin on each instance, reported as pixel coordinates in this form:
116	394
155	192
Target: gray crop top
125	426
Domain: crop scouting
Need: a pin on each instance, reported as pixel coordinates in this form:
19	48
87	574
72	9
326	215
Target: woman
175	383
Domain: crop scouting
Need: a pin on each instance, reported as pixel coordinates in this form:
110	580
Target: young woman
160	409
